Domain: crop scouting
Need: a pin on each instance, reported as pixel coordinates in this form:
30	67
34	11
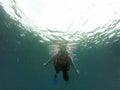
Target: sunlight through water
92	21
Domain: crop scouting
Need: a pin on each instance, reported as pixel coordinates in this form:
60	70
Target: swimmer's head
63	48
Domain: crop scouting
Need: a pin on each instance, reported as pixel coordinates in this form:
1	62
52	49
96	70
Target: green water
21	59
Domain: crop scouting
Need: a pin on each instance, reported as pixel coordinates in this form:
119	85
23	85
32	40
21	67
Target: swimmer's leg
65	75
55	79
57	71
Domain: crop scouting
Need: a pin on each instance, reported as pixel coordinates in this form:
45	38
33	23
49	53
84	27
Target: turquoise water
22	55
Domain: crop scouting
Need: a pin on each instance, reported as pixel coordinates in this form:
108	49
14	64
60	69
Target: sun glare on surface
60	14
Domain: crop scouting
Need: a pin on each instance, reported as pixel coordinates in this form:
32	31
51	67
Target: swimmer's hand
44	64
77	71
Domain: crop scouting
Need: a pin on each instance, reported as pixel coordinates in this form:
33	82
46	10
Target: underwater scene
90	29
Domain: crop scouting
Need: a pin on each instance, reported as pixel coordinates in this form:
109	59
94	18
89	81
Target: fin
55	81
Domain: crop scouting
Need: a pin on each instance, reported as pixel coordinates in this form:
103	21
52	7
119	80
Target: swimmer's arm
45	64
75	68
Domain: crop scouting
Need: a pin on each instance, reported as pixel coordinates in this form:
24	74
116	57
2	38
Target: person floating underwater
62	61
